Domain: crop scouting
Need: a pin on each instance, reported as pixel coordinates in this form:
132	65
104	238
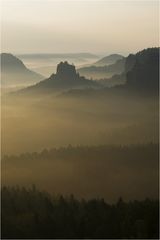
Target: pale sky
40	26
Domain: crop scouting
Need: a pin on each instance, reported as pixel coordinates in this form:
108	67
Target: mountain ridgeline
14	72
108	60
138	72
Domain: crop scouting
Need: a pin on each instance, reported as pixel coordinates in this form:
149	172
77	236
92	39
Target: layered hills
107	71
140	75
138	72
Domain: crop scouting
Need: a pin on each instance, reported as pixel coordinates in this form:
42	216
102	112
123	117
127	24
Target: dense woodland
29	213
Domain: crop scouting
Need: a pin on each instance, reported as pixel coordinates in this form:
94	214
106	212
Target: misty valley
76	141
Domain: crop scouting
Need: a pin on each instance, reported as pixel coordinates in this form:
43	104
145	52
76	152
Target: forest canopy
30	213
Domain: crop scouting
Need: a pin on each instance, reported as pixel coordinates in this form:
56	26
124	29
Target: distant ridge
107	71
58	55
108	60
14	72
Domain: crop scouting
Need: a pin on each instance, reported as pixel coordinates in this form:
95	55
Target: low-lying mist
88	172
33	123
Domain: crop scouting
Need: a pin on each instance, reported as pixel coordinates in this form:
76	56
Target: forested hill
143	70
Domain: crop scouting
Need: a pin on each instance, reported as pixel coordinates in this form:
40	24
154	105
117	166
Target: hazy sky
78	26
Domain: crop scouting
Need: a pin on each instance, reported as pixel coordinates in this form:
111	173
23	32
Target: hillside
108	60
98	72
143	70
117	79
14	72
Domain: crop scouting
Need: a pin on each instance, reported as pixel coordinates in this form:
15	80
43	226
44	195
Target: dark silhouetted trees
29	213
